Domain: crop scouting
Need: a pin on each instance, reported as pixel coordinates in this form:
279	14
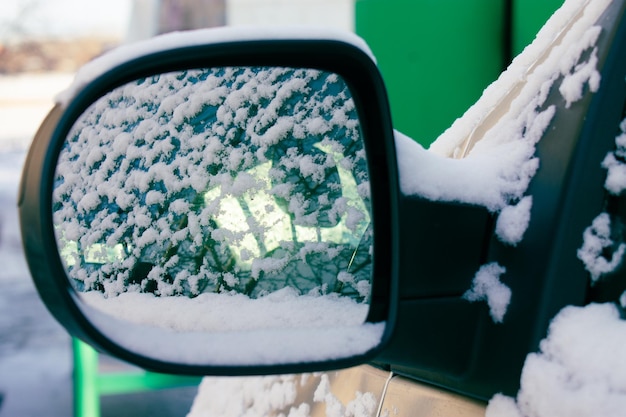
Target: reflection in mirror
220	200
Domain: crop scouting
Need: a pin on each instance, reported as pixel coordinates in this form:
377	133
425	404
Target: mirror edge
363	78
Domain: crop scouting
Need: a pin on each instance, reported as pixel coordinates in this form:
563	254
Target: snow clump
513	221
596	241
488	287
614	163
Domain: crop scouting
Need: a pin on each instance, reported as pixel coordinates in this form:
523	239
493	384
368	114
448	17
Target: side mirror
217	203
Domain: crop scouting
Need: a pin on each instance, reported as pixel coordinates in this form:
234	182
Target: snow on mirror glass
204	209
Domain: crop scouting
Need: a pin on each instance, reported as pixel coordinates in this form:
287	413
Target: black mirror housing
188	51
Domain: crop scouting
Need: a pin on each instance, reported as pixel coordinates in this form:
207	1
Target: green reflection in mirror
225	180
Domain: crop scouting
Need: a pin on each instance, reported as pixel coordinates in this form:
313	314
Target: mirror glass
221	216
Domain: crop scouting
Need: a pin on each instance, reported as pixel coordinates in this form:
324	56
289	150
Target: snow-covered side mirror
220	205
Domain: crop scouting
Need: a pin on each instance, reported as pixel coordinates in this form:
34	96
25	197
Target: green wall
528	17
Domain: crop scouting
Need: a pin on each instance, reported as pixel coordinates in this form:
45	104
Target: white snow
513	221
487	286
270	207
364	405
579	371
233	329
491	179
511	102
599	252
271	345
487	158
597	242
283	395
210	312
250	397
614	163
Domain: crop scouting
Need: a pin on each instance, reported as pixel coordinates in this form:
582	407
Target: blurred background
60	35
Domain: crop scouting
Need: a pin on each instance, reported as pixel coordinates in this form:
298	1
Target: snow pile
493	179
487	286
233	329
250	397
579	369
284	395
212	312
578	372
